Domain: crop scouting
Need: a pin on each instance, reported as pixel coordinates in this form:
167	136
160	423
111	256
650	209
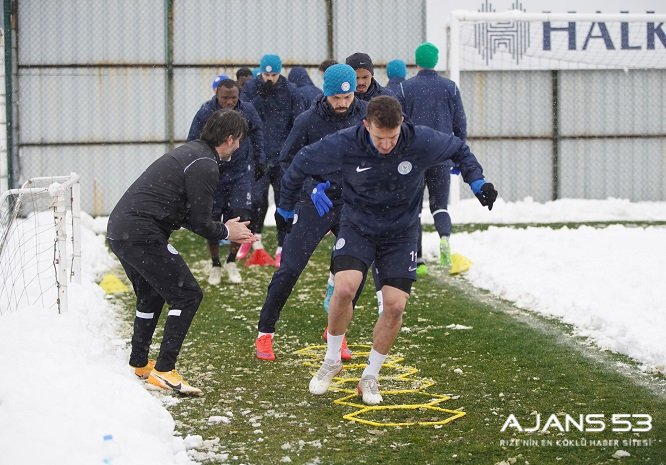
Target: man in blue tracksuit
233	196
337	109
396	71
434	101
367	86
382	163
299	77
278	104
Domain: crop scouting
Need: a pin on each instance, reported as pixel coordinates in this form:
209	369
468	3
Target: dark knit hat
270	64
360	60
426	55
339	79
396	68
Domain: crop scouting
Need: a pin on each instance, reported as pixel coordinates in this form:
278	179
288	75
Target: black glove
284	219
265	89
259	171
487	195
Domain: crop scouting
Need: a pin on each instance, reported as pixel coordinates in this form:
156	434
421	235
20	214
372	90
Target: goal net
564	105
40	245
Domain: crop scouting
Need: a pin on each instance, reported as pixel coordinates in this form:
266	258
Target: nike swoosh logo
175	387
412	268
359	169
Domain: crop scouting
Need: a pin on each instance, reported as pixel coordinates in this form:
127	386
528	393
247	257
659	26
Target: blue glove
284	219
485	192
319	198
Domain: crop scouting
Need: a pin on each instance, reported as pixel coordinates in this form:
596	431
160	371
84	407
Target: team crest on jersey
405	167
340	243
172	249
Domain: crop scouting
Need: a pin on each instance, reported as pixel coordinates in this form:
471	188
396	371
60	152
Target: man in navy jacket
310	93
435	101
175	191
382	163
278	104
233	195
338	109
367	86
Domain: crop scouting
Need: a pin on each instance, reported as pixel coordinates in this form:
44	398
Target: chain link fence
103	87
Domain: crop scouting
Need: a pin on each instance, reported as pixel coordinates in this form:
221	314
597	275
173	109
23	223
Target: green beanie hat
426	55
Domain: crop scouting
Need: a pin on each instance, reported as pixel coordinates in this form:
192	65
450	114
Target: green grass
509	365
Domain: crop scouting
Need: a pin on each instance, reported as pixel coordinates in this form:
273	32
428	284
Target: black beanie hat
360	60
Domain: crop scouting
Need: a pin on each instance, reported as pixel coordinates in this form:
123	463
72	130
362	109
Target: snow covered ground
65	382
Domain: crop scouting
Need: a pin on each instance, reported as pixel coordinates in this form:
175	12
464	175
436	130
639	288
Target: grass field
507	362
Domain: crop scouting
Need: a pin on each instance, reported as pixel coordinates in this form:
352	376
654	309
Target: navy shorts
394	256
232	196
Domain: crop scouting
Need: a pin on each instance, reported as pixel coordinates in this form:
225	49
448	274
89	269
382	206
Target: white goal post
563	105
40	242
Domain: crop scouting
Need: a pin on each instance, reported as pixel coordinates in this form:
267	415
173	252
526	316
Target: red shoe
278	259
260	258
345	353
243	251
264	347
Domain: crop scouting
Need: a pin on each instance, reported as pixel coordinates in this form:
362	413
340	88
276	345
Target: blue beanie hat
270	64
396	68
217	80
256	72
339	79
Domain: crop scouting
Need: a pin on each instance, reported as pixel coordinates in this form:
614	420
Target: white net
39	243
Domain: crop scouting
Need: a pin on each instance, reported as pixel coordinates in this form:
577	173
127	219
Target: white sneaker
232	273
322	380
215	276
369	389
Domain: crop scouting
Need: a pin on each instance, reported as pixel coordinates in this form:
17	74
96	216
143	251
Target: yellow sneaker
174	381
144	371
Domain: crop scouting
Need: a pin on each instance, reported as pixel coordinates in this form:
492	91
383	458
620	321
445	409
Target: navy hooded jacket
434	101
374	90
381	193
277	111
313	125
393	85
251	149
304	86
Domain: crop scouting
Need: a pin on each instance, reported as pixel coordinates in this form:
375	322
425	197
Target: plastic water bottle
109	449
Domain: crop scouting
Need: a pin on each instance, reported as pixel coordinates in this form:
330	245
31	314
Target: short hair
243	72
323	66
229	84
384	112
221	125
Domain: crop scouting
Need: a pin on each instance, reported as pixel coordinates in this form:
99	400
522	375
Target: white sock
278	250
333	347
257	244
380	302
331	279
375	361
263	334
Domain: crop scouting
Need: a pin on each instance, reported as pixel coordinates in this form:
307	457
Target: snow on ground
65	382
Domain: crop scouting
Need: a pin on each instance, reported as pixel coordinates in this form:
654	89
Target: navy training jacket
434	101
251	149
304	86
277	111
313	125
393	85
381	193
374	90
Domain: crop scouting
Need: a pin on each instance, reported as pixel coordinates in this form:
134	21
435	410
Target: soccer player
233	195
175	191
435	101
367	86
382	162
278	104
337	109
396	71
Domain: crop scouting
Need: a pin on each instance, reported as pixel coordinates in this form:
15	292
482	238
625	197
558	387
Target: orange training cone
260	258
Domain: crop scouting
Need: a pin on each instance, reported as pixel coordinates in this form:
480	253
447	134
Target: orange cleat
264	347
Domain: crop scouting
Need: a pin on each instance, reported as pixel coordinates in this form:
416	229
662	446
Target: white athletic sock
257	244
263	334
333	347
375	361
380	302
278	250
331	279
